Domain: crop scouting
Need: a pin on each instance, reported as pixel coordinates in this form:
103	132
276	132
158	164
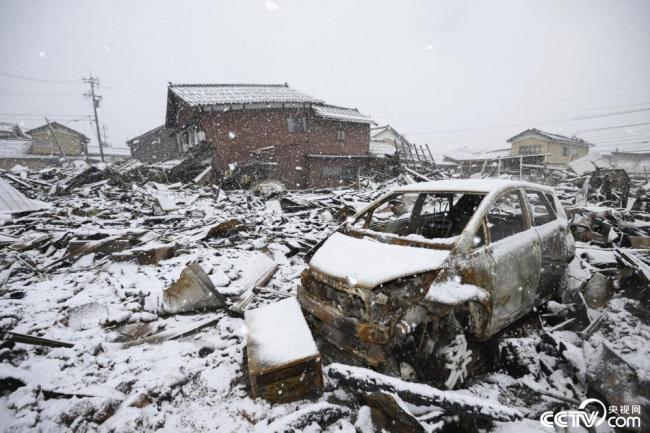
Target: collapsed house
271	132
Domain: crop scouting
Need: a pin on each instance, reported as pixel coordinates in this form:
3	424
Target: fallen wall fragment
193	290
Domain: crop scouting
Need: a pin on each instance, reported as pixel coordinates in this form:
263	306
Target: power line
40	80
11	93
629	125
568	119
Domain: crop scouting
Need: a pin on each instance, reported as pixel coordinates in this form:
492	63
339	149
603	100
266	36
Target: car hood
369	263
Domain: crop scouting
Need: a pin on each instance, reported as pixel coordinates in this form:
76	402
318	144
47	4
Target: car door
552	234
516	253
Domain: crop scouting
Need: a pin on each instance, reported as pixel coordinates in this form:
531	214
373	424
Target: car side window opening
506	218
425	215
541	209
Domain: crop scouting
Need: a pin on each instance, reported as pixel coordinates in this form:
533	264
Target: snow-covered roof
460	155
226	94
468	185
14	148
549	136
633	163
341	113
381	148
12	130
13	201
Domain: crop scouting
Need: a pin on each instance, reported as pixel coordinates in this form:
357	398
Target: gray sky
449	73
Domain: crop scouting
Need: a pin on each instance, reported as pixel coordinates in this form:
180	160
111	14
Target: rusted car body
429	261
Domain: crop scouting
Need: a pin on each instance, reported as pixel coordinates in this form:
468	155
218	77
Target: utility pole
94	81
56	140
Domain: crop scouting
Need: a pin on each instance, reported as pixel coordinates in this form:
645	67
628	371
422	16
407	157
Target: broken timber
321	413
29	339
420	394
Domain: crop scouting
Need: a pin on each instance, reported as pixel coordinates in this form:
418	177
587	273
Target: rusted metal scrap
420	394
193	290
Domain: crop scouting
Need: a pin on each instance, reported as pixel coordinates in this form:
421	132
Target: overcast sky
447	73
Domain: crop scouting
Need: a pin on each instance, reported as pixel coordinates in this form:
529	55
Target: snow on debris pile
278	333
368	263
452	292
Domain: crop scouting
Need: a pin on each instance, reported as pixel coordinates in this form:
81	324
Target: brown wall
44	143
258	128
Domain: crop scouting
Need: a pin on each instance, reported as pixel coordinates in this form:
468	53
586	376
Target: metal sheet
13	201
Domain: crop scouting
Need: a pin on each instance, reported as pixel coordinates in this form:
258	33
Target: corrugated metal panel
13	201
225	94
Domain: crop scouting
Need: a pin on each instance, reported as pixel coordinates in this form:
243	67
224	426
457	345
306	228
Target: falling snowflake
429	47
231	135
41	54
271	5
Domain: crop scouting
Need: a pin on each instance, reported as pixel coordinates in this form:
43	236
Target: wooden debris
30	339
389	413
178	332
322	414
150	254
420	394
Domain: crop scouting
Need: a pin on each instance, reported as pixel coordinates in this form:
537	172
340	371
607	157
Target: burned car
408	283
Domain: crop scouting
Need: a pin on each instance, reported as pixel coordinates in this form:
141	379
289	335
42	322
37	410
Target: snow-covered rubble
91	271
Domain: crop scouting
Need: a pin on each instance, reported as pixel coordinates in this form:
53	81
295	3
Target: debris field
127	304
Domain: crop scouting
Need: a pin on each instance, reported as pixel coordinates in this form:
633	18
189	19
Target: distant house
37	148
386	141
281	132
57	138
559	149
158	144
14	143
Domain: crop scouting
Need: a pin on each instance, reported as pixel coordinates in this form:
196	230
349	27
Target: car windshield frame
413	239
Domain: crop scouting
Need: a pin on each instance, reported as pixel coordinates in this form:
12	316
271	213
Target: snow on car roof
468	185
